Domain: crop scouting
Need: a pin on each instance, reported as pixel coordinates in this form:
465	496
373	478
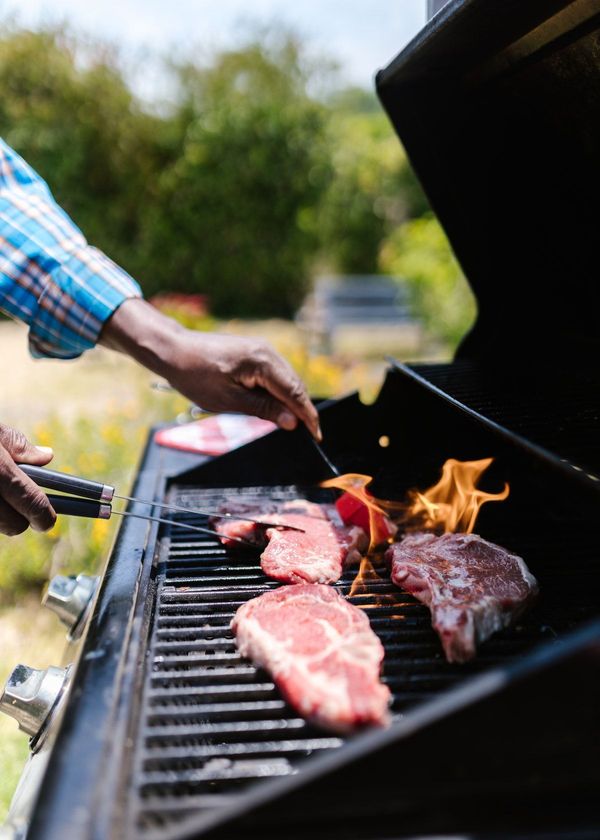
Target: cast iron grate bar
211	723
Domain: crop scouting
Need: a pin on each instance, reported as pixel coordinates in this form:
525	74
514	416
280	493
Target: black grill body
185	739
167	733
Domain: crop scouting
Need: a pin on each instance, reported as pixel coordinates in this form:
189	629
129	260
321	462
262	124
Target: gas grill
164	731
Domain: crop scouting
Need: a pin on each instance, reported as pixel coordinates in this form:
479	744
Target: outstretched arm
73	296
219	372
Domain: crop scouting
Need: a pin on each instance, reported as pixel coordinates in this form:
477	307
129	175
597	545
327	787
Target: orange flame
453	503
356	485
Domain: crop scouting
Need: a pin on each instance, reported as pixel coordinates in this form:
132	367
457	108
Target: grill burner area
211	723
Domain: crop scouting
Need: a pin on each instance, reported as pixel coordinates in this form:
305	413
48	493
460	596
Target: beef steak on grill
319	555
320	651
472	587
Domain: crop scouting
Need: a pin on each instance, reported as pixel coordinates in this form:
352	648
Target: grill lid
498	105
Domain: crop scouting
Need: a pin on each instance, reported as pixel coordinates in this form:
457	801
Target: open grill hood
498	105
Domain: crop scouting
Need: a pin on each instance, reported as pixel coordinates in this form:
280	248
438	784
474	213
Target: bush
217	196
236	209
71	115
419	252
372	189
189	310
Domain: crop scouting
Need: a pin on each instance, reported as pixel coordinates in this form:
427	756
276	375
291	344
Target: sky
362	35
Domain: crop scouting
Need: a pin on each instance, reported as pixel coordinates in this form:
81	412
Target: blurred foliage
241	195
78	124
237	189
108	450
218	195
419	252
190	310
373	188
15	751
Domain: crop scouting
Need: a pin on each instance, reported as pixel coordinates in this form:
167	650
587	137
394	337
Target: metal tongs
92	499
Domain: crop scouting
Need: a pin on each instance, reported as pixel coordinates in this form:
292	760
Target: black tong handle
71	506
83	487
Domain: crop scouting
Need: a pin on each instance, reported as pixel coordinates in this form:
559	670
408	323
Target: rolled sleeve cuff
79	296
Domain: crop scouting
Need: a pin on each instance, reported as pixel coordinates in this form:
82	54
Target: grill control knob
69	598
29	696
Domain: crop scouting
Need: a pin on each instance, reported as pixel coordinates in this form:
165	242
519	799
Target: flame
453	503
356	485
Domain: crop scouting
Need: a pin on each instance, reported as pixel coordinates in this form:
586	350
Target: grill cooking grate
210	722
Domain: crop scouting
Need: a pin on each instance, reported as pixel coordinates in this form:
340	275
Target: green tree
418	251
237	209
372	190
71	115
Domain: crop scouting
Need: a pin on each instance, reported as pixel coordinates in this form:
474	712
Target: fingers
21	450
274	375
24	496
22	501
259	403
11	523
227	373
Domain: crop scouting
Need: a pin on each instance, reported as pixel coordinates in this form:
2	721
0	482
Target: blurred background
239	166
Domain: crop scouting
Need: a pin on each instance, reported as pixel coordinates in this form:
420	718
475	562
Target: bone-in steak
319	554
472	587
320	651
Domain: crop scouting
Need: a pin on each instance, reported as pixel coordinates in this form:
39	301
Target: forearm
219	372
139	330
72	296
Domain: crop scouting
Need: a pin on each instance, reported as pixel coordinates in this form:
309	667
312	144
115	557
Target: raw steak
472	587
232	527
319	555
320	651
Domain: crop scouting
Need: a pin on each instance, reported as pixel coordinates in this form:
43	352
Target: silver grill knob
69	598
29	696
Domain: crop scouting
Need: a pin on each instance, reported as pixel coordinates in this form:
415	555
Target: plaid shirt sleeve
50	278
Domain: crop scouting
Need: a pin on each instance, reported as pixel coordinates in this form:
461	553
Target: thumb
21	450
38	455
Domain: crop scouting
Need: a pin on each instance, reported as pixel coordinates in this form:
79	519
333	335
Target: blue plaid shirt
50	278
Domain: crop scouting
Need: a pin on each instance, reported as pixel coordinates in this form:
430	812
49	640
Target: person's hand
22	503
229	373
218	372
